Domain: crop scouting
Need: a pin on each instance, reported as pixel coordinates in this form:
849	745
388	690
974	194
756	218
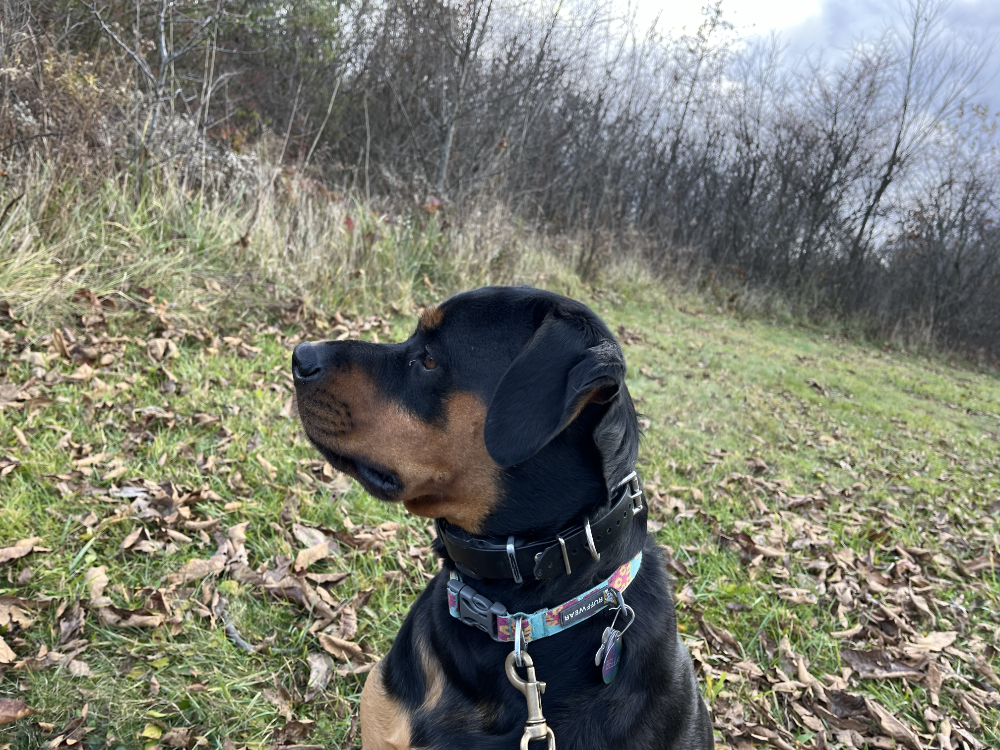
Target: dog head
500	396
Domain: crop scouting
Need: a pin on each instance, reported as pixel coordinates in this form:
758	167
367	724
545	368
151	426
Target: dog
505	417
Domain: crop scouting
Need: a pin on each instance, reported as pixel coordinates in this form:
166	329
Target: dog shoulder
385	722
409	679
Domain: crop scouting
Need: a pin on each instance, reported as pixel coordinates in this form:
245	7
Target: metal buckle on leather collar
513	561
633	490
486	557
476	610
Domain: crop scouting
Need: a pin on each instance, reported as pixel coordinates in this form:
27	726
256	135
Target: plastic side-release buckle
476	610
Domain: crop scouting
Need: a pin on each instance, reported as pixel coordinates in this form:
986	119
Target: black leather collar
490	557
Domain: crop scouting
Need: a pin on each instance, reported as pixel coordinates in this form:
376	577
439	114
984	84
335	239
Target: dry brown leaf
97	580
194	570
81	374
327	579
267	466
7	655
354	668
307	557
309	536
797	596
348	622
807	718
72	623
293	733
14	709
340	648
893	726
921	604
934	681
78	668
21	549
289	409
281	699
849	633
160	349
320	671
177	737
969	709
750	669
132	537
13	610
7	463
279	584
123	618
932	642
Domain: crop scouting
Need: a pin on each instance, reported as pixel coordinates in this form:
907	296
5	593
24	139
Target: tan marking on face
430	318
384	723
446	472
433	676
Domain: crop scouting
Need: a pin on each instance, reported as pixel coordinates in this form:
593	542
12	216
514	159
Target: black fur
534	357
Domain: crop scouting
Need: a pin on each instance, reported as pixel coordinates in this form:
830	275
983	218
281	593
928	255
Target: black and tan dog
505	416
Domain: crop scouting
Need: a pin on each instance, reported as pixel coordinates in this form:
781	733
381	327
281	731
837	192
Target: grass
268	235
760	436
917	439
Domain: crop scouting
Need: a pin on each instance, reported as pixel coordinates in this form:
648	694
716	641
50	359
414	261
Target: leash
481	557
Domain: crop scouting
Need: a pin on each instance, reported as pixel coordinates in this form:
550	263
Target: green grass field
830	509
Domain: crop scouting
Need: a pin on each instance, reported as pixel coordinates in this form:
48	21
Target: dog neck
532	594
574	477
532	569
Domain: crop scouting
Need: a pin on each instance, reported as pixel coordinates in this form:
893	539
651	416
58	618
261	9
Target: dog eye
429	362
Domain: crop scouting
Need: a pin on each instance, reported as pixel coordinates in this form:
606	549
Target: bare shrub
862	185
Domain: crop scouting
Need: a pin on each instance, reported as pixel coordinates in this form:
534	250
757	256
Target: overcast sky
810	24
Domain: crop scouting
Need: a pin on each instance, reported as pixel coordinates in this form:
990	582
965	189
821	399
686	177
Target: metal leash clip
535	728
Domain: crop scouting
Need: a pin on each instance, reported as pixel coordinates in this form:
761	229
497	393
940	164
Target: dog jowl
506	417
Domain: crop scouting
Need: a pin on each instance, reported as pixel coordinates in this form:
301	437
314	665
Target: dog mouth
378	481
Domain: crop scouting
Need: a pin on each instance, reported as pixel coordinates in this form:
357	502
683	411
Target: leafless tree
861	182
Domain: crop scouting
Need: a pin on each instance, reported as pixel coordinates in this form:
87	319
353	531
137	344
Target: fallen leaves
7	465
178	737
932	642
356	659
194	570
887	604
118	617
810	541
14	709
817	386
161	349
7	655
320	671
96	580
893	727
21	549
342	649
310	555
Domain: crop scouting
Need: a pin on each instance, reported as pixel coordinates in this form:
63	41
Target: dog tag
611	652
599	657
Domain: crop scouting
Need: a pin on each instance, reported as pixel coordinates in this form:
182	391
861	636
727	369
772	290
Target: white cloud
765	15
749	16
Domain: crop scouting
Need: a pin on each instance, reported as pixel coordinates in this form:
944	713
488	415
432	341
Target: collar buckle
512	557
476	610
633	490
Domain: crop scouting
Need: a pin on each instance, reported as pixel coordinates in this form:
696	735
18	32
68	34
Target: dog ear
553	378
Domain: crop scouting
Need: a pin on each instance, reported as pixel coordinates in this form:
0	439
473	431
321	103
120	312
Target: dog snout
306	364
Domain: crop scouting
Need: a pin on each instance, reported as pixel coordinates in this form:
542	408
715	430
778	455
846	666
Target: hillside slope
830	510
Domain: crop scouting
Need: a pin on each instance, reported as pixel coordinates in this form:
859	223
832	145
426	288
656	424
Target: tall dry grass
275	238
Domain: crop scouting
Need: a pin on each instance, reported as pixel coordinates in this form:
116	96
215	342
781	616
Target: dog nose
305	362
